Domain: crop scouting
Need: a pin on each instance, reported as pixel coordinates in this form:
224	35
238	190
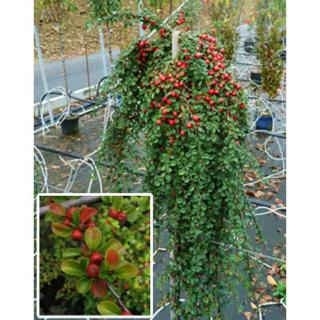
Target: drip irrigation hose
77	156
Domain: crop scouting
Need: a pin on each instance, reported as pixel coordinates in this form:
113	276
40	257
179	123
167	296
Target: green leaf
108	308
71	252
61	230
144	204
114	244
57	209
133	215
116	203
93	238
127	271
76	217
84	263
84	284
72	268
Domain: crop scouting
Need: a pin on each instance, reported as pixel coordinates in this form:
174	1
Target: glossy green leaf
72	268
71	252
116	203
76	217
93	238
114	244
61	230
126	271
108	308
84	284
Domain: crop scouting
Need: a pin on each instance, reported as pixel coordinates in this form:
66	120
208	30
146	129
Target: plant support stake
102	52
42	69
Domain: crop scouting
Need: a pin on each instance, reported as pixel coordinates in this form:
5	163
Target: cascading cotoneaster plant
190	117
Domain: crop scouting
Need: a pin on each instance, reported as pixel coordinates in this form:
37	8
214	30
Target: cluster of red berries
181	19
93	267
147	21
118	215
86	221
144	51
175	100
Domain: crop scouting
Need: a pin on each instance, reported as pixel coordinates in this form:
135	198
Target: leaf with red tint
99	288
57	209
87	213
112	258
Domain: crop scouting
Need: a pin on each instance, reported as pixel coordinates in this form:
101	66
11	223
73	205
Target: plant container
283	54
264	122
248	45
70	126
256	78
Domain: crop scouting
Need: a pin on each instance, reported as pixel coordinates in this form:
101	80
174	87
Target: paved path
76	70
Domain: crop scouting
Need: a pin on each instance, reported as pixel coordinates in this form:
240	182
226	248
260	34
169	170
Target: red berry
211	92
197	55
220	110
242	106
158	122
122	217
172	122
113	213
175	113
92	270
189	125
76	235
196	118
182	133
235	118
70	211
67	222
126	286
96	257
126	313
144	26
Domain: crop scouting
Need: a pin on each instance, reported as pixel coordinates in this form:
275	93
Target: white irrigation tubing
261	255
268	304
51	186
164	306
263	263
45	128
107	116
269	211
43	167
230	246
75	166
276	175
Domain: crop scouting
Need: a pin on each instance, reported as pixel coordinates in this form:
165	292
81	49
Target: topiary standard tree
190	118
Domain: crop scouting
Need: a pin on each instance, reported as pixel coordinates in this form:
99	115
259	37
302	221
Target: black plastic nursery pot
256	78
264	122
283	54
248	45
70	126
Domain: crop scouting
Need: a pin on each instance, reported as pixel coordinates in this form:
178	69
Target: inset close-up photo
94	255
